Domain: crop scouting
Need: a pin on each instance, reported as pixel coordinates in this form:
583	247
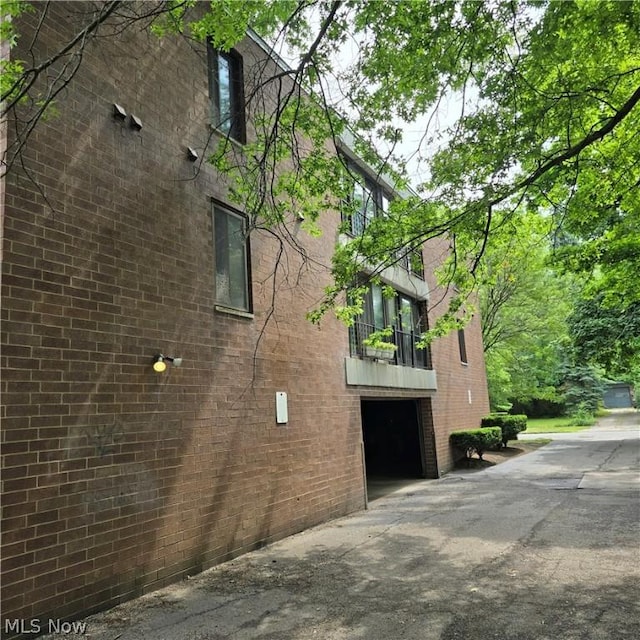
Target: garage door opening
392	444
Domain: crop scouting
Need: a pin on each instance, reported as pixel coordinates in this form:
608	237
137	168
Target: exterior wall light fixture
160	362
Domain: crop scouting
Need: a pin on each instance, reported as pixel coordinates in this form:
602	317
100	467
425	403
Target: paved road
542	547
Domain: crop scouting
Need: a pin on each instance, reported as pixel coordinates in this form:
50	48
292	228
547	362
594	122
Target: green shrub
511	425
582	389
478	440
582	417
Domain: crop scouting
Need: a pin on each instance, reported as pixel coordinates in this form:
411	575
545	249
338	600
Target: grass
552	425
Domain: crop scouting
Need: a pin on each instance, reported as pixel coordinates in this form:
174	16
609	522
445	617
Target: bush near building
510	425
476	440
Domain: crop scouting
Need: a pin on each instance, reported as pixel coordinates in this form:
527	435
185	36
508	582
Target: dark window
232	253
226	89
404	315
363	207
366	200
462	345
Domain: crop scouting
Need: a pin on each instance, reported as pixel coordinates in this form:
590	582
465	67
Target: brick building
119	247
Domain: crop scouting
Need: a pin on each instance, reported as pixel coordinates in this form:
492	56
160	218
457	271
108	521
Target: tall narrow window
232	268
377	307
365	201
364	208
463	346
227	93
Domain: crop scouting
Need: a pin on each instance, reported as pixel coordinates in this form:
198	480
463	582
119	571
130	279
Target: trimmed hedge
478	440
511	425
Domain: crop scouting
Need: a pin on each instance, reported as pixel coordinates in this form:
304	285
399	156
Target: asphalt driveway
544	546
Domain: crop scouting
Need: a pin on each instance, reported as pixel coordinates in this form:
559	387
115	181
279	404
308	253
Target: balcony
406	353
412	370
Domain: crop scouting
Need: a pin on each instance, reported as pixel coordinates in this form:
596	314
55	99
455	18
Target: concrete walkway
542	547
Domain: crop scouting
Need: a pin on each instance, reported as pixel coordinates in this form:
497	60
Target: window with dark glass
462	345
364	207
366	200
226	89
405	316
232	265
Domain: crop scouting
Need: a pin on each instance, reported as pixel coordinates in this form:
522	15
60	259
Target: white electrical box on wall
282	411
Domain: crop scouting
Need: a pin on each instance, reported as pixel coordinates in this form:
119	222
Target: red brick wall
462	398
118	479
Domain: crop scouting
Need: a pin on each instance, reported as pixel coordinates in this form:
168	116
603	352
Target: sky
420	139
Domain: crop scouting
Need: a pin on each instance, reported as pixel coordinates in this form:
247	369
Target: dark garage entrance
392	442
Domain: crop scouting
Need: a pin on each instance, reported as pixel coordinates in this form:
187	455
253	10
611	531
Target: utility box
282	410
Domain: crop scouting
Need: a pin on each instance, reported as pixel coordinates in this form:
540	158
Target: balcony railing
406	354
359	222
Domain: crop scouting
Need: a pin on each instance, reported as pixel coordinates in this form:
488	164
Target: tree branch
31	75
576	149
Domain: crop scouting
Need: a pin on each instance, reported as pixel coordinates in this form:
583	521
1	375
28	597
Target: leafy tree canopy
524	306
607	337
548	121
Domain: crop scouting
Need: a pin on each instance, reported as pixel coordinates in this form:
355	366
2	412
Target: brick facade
462	397
118	480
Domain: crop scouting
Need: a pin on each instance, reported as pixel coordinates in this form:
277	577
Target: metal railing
359	223
406	353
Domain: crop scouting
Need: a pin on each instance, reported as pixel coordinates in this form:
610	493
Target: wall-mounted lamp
160	362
